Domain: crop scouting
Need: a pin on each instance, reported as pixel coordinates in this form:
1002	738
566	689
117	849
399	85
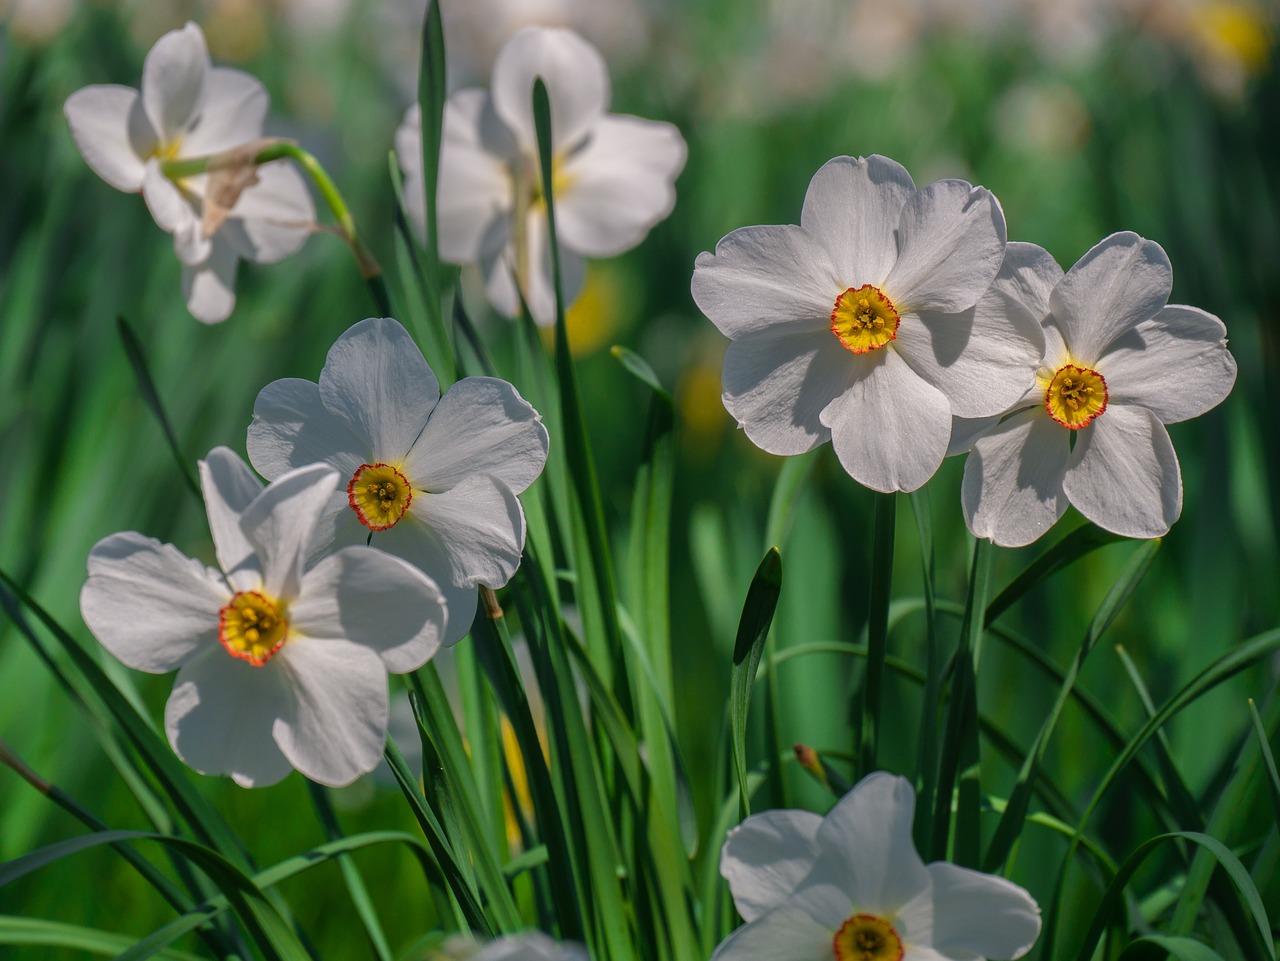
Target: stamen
1075	396
252	627
867	937
379	494
864	319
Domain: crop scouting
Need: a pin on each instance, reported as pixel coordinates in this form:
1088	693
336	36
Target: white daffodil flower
279	666
851	887
435	477
612	175
1117	365
189	109
857	325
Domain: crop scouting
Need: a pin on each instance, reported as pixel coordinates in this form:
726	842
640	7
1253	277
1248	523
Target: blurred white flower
857	326
850	886
189	109
530	946
613	175
1117	366
434	477
279	665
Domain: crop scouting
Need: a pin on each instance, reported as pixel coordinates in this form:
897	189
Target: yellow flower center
379	494
1075	396
252	627
867	937
864	319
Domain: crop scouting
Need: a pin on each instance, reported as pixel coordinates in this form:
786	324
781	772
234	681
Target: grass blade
753	629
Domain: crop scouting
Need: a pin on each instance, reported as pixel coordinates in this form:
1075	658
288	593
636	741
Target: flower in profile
279	665
857	326
189	109
1117	365
612	175
432	479
851	887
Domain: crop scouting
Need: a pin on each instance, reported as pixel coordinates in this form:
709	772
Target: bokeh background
1083	116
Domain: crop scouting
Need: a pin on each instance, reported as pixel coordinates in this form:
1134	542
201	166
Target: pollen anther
252	627
1075	396
864	319
379	494
867	937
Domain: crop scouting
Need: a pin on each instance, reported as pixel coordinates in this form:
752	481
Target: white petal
772	278
220	715
229	487
173	77
966	913
376	378
1124	473
210	287
112	133
474	188
335	726
766	856
281	525
481	426
1176	365
1022	288
982	362
376	600
232	111
575	75
781	935
890	428
619	184
272	219
174	214
865	853
292	428
951	241
852	208
965	431
1121	282
480	526
776	388
1012	491
149	604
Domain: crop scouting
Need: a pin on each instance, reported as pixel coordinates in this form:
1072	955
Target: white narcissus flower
857	325
1117	365
434	478
279	666
851	887
188	109
613	175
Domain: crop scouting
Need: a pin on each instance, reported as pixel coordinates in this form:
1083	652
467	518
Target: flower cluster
612	175
892	314
283	650
188	109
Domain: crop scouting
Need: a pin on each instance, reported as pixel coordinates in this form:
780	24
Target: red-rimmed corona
867	937
380	495
1076	396
864	319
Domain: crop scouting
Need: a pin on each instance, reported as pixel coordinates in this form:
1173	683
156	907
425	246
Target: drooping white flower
851	887
187	109
857	325
613	175
435	478
1116	367
279	665
530	946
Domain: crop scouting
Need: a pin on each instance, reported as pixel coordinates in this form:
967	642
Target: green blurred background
1084	117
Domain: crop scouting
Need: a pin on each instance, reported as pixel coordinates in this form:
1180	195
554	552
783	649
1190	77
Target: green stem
370	269
877	631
